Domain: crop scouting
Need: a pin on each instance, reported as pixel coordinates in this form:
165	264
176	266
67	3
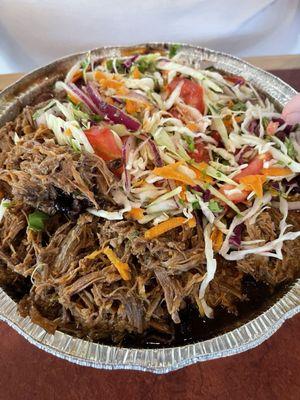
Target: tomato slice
191	93
200	153
234	194
254	167
104	143
215	135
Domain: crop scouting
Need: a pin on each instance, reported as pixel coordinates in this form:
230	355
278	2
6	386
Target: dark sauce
193	328
68	205
17	288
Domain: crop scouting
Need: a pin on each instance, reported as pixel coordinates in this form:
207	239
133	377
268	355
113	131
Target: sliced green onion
36	220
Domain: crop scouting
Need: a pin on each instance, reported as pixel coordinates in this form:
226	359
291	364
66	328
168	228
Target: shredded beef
86	296
269	269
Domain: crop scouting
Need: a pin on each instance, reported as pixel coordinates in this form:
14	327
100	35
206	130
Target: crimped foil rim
159	360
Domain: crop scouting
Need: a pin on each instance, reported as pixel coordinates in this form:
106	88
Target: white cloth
34	32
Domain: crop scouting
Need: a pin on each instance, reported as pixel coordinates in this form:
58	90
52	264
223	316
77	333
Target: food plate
157	360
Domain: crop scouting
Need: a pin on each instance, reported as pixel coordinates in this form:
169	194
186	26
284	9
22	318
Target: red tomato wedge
104	143
254	167
191	93
215	135
234	194
200	153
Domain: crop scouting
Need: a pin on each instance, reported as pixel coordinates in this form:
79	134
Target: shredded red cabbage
154	150
236	237
128	146
206	195
129	61
254	127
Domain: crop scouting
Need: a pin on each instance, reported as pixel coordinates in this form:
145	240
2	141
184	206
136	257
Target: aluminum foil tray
160	360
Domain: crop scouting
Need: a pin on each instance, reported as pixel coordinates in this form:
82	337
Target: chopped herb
280	162
36	220
181	202
173	49
265	122
239	106
196	205
39	112
85	65
75	146
145	65
214	206
290	148
118	64
6	204
191	143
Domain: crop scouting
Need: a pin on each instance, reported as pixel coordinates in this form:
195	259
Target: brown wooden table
268	372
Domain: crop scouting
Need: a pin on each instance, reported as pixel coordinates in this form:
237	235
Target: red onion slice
155	152
83	97
111	112
128	146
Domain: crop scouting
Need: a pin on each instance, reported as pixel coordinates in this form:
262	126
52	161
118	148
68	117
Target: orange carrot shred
217	238
136	73
276	171
123	268
76	76
136	213
170	172
166	226
255	183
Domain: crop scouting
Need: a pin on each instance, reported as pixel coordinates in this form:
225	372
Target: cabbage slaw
184	133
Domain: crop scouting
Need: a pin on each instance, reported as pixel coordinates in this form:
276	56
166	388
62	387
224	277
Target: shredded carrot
73	98
182	194
136	213
99	75
138	183
165	226
199	169
136	73
132	106
114	84
227	122
76	76
191	222
110	82
68	132
255	183
192	126
93	255
123	268
238	118
170	172
276	171
217	238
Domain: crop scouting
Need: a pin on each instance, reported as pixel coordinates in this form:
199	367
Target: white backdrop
34	32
